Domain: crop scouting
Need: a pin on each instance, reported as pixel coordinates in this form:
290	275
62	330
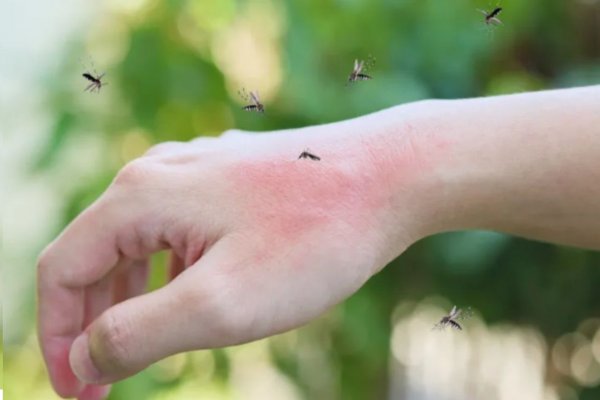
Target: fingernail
81	362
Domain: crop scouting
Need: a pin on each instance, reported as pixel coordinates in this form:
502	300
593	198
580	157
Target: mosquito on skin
307	154
452	319
252	98
360	67
95	79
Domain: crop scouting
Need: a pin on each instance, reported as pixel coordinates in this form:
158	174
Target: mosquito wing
359	66
453	313
254	96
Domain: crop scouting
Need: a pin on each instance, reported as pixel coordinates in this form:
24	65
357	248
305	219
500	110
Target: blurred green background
174	69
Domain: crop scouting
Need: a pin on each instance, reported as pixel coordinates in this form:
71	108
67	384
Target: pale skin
262	242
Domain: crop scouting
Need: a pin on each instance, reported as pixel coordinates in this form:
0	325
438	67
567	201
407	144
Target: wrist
407	147
443	169
438	170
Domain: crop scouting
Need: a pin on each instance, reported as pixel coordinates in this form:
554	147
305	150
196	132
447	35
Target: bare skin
263	242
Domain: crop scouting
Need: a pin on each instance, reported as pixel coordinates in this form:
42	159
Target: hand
261	242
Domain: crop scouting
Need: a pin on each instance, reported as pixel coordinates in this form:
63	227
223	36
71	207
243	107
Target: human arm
525	164
262	242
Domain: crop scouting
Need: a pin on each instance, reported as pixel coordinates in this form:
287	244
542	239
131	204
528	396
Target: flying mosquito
95	79
452	319
491	17
307	154
360	67
253	98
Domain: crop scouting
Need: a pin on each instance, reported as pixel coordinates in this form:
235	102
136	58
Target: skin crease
262	242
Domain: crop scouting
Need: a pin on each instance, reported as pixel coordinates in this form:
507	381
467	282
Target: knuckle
163	148
135	172
44	260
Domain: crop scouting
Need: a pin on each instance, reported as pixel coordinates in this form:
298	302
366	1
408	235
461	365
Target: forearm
526	164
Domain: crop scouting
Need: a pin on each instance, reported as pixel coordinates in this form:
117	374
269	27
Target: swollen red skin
351	186
291	197
361	183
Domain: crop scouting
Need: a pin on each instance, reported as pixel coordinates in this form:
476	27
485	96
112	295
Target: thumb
191	312
120	342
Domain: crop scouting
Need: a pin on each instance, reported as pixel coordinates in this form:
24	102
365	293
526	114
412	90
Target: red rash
291	196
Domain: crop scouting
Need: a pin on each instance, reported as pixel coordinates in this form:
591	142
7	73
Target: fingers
127	279
97	297
94	392
131	281
73	285
80	257
60	293
128	337
194	311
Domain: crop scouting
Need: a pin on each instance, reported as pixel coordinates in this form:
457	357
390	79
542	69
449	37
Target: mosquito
253	98
95	79
491	17
307	154
360	67
452	319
